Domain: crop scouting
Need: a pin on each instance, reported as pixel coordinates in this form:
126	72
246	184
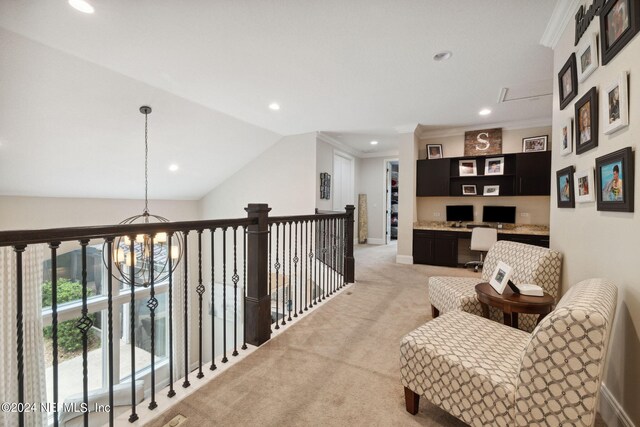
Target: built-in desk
436	243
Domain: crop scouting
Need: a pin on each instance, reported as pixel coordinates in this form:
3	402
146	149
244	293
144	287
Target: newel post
258	300
349	262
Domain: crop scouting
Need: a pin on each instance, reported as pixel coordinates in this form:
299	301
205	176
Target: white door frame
386	184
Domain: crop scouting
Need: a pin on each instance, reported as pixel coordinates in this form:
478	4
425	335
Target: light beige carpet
338	366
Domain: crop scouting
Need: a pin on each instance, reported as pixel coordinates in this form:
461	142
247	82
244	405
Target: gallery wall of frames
612	184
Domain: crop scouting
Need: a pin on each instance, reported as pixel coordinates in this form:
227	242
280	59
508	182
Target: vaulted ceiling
71	83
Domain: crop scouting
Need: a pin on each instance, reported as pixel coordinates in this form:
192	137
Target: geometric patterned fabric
486	373
531	264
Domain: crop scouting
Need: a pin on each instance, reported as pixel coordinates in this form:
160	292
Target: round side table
511	303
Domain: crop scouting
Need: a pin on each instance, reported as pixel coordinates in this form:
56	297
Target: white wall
604	244
324	163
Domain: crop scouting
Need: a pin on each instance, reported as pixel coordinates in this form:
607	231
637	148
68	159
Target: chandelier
138	253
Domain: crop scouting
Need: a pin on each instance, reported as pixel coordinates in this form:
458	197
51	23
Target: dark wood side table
511	303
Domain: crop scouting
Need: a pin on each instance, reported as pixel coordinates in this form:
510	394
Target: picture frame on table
534	143
500	277
491	190
614	181
469	190
564	188
494	166
583	186
468	167
566	137
586	118
434	151
568	82
619	23
616	102
587	57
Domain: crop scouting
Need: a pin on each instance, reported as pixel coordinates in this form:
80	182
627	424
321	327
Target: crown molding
388	153
460	131
562	14
339	145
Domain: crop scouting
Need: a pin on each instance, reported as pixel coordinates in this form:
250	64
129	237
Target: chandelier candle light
147	257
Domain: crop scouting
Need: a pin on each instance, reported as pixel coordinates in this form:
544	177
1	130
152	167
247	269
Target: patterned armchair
485	373
531	264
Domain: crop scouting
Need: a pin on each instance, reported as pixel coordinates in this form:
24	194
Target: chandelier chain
146	173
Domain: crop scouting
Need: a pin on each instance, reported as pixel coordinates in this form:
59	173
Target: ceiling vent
529	91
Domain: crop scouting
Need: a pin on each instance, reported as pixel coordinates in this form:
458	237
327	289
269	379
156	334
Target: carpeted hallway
338	366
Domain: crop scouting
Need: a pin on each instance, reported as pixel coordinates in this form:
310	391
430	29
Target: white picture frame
585	190
500	277
469	190
468	167
587	57
617	110
494	166
566	137
491	190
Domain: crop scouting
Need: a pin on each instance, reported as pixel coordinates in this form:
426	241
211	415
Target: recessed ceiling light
82	6
442	56
173	168
374	142
274	106
484	112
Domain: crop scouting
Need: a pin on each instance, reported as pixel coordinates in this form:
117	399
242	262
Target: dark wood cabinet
533	174
435	248
423	247
432	177
529	239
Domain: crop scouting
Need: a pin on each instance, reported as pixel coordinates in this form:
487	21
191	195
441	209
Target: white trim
459	131
404	259
409	128
394	153
562	14
612	411
373	241
339	145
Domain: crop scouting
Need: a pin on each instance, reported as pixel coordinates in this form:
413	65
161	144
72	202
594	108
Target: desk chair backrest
483	238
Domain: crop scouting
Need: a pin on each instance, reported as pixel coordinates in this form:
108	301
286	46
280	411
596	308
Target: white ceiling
72	83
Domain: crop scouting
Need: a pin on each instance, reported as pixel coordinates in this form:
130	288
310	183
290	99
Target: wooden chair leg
434	312
411	400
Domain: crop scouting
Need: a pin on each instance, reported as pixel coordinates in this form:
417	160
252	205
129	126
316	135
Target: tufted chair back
562	366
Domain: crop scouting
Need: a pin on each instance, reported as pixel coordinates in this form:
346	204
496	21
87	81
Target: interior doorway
392	175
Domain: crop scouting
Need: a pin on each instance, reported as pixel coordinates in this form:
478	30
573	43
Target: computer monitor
460	213
501	214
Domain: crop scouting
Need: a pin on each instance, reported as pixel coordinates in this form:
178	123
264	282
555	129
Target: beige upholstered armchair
531	264
489	374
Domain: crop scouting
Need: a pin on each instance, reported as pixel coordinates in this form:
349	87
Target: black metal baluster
200	290
343	250
334	250
313	271
19	249
186	382
84	325
323	292
109	329
284	272
171	392
213	366
224	295
330	264
291	276
306	267
277	267
152	304
295	272
270	289
54	326
235	278
340	253
244	288
132	330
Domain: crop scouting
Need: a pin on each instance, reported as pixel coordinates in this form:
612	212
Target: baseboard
404	259
371	241
611	411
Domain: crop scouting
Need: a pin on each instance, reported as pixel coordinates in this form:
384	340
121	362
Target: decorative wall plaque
486	142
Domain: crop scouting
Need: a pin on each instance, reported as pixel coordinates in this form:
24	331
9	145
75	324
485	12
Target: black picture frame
566	94
564	186
586	134
610	48
607	197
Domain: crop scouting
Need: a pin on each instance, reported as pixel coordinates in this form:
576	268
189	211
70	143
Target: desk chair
481	240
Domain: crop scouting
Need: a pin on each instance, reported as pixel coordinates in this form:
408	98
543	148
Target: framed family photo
587	57
616	104
434	151
566	137
468	168
469	190
564	187
491	190
614	181
586	110
568	82
500	277
584	189
619	21
494	166
534	143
